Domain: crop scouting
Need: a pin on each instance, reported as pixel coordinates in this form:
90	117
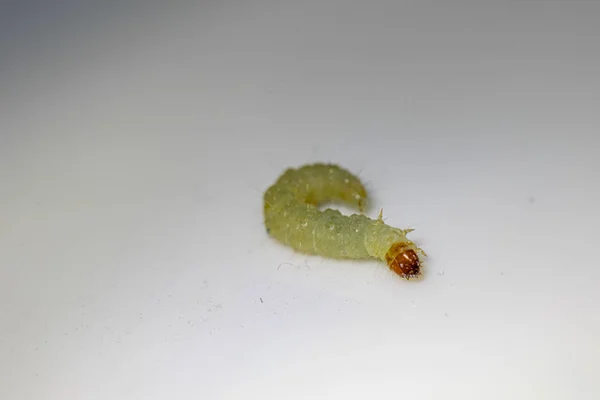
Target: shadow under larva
292	216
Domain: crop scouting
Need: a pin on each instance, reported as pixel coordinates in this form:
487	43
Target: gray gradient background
136	139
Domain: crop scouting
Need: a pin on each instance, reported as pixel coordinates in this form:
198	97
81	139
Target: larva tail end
403	260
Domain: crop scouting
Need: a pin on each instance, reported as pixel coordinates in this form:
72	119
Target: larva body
292	217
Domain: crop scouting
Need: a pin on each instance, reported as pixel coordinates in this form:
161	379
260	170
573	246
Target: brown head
403	260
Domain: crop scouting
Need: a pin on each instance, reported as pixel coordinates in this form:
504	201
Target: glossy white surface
136	141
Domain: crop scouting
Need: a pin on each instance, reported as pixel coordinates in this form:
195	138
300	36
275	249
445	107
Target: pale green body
292	217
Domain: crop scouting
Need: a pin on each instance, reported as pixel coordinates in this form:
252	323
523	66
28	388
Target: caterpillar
292	217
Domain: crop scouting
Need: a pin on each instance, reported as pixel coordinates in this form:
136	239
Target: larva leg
292	217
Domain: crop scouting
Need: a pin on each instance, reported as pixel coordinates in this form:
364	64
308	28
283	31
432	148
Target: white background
136	140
